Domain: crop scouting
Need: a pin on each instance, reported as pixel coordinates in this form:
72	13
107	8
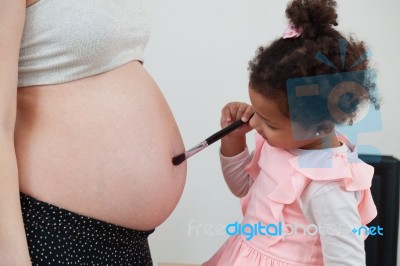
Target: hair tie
292	32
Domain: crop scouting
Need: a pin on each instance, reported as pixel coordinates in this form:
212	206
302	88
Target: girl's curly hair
290	58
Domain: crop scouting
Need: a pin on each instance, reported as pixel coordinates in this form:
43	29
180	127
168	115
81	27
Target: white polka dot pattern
59	237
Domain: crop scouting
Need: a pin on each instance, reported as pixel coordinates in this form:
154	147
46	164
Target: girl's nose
252	121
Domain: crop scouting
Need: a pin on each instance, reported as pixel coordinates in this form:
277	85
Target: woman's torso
101	146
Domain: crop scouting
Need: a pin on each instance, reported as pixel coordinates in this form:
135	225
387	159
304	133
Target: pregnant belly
102	147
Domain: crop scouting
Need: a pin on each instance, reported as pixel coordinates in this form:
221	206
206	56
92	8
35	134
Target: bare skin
100	146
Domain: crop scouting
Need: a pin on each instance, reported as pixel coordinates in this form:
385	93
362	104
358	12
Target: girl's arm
236	177
234	154
335	212
235	142
13	243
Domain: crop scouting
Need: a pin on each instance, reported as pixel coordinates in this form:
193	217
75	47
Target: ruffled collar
337	164
341	150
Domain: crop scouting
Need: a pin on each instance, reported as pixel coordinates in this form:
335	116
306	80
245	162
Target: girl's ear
324	129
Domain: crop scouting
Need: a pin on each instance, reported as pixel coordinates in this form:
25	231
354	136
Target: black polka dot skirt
60	237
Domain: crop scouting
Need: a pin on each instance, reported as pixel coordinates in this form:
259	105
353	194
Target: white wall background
198	54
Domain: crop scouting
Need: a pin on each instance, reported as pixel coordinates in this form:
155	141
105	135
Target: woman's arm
13	244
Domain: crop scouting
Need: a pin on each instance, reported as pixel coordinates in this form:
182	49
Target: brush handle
202	145
225	131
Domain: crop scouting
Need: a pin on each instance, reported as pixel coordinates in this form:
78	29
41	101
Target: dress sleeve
234	171
335	212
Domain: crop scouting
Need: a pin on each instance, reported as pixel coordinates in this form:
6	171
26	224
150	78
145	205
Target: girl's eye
271	127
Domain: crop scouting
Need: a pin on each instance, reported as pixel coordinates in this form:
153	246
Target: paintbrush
213	138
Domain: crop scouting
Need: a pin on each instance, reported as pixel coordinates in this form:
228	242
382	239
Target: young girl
304	192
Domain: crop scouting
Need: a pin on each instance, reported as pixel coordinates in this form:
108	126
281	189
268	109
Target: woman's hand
235	142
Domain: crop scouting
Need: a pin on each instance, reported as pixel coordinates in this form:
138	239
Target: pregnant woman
86	136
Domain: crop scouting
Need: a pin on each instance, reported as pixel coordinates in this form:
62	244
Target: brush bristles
177	160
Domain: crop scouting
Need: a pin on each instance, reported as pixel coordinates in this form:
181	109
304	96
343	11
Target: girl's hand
234	111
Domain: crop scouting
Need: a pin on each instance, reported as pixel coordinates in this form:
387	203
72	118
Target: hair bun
316	17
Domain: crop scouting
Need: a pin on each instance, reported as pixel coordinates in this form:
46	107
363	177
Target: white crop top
65	40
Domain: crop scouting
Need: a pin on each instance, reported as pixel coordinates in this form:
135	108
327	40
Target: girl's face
276	128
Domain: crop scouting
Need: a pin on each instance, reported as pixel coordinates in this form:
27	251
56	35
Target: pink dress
280	177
